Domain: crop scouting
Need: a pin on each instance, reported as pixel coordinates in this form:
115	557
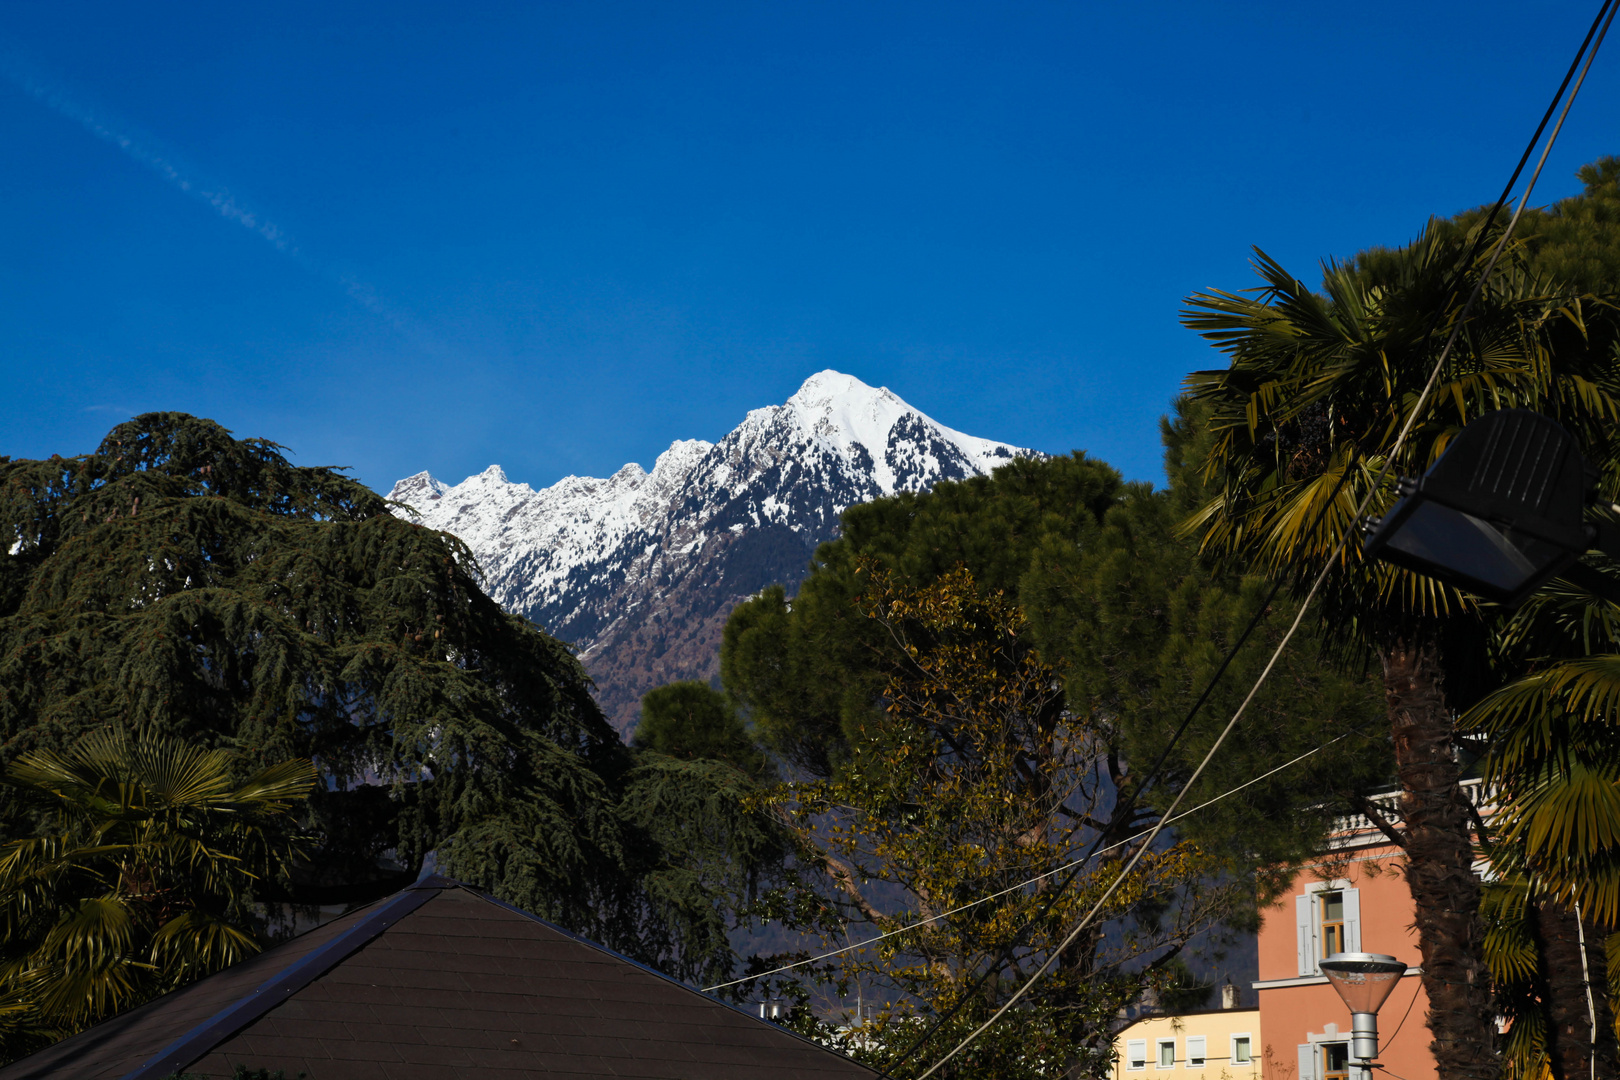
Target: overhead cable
1606	15
920	923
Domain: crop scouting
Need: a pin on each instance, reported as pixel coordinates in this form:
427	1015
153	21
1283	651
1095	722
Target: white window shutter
1307	1061
1136	1054
1304	924
1352	920
1195	1050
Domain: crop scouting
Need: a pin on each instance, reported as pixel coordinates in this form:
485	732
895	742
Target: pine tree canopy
181	582
1574	242
1120	605
692	720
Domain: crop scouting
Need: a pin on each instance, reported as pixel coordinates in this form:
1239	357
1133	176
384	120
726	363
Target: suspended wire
1606	15
1157	828
1265	607
1262	612
920	923
1529	148
1552	106
1417	988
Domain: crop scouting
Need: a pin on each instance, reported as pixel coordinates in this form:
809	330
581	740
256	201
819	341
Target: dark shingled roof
438	982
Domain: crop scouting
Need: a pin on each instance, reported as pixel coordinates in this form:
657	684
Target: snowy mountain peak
639	570
421	488
872	429
845	411
678	459
827	387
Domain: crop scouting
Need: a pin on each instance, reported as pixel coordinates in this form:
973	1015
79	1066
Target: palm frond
145	883
272	789
1318	379
196	943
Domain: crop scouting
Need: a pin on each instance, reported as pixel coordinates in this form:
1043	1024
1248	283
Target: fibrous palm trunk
1570	1001
1440	873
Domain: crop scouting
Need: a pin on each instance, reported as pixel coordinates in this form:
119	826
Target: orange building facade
1354	899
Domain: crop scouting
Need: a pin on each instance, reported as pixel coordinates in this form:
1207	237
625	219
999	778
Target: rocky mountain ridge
639	570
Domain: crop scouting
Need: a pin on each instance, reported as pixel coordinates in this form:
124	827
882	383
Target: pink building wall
1296	1010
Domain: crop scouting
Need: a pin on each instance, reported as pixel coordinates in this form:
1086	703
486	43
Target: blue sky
558	236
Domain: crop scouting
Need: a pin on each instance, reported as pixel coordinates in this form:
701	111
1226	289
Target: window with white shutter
1352	920
1330	923
1305	926
1195	1051
1335	1061
1136	1054
1327	918
1307	1061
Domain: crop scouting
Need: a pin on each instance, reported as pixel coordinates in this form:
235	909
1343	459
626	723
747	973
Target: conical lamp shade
1363	980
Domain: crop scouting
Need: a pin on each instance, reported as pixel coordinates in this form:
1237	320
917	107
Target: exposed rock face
640	570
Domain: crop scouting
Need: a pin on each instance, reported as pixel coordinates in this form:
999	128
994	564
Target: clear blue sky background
558	236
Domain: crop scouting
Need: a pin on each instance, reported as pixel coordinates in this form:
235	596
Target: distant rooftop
438	982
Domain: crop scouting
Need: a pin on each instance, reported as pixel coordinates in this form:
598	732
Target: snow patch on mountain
874	430
657	557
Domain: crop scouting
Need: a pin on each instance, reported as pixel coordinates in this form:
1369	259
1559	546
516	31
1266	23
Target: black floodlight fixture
1499	515
1364	980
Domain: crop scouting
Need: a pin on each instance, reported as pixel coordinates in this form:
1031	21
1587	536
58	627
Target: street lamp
1500	514
1364	981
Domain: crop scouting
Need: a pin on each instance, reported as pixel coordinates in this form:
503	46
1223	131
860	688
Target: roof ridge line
289	980
649	969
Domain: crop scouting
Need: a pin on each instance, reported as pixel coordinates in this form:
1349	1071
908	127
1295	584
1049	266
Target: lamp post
1364	982
1500	514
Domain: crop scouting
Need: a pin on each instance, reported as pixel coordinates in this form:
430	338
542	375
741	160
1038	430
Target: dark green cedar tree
184	583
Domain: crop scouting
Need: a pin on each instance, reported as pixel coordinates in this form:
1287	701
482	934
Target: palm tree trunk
1440	872
1569	1009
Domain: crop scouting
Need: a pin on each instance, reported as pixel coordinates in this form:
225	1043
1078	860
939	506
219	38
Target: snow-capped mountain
641	569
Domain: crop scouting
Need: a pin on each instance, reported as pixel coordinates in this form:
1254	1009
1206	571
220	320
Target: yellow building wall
1218	1028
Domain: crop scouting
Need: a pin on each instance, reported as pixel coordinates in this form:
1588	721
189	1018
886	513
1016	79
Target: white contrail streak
139	149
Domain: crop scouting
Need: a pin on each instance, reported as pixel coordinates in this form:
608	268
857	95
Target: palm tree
140	879
1554	763
1555	747
1550	978
1304	419
1518	976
